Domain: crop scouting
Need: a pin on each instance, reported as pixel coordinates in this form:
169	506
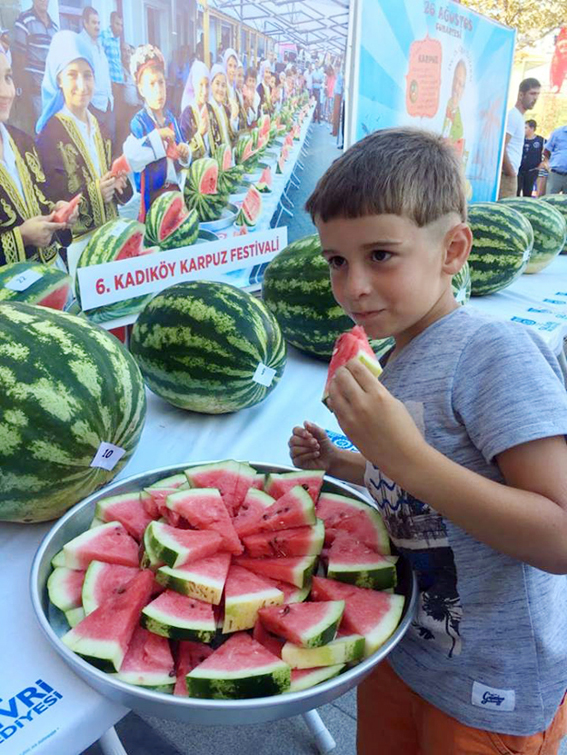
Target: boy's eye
379	255
335	261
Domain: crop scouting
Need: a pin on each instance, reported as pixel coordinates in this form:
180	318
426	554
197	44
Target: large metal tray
226	219
191	710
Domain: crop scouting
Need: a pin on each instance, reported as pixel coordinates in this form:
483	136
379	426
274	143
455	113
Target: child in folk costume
155	149
27	228
239	89
195	111
251	98
223	128
264	87
74	152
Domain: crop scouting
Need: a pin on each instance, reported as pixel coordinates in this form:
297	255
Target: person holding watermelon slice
462	446
264	89
195	111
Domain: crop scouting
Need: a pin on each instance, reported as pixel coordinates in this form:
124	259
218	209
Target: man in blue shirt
556	151
531	159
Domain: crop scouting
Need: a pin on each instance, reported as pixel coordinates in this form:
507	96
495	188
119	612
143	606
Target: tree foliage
533	19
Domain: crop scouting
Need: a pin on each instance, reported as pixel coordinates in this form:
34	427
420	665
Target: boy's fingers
362	374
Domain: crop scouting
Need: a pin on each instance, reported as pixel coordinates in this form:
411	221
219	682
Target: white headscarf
198	72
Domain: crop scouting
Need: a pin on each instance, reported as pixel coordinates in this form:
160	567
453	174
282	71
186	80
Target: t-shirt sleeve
508	389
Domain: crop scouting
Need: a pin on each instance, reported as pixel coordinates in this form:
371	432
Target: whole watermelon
461	284
201	346
502	242
549	228
559	202
65	387
169	224
50	286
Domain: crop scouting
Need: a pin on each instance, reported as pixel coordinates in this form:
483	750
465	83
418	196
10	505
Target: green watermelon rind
386	627
106	655
192	584
370	575
325	630
559	203
168	625
74	616
549	227
57	589
270	679
241	611
52	279
345	649
316	676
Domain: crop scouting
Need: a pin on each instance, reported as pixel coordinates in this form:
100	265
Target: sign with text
148	274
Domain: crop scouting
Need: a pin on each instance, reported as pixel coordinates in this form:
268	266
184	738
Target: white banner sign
148	274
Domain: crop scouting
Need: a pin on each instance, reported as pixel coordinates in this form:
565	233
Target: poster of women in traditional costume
231	63
27	227
155	150
223	119
74	152
195	111
264	87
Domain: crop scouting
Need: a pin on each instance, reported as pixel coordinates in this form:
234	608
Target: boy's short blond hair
395	171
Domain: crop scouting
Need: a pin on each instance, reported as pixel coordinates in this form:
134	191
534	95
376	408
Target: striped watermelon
115	240
80	388
201	190
559	202
502	242
461	284
230	174
201	346
297	289
549	229
251	208
50	290
169	224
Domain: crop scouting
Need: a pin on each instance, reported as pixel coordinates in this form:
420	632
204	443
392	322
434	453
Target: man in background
531	160
528	94
111	41
102	103
317	80
556	151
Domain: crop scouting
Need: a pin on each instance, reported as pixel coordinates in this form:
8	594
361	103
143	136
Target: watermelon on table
240	668
351	345
203	579
155	505
103	636
201	190
148	662
297	571
251	510
80	389
297	541
549	227
558	202
204	508
250	209
343	514
277	484
267	639
293	509
109	543
179	617
169	224
352	561
371	613
126	508
231	478
304	678
51	289
348	648
176	547
296	288
308	625
502	243
264	183
202	346
189	655
244	594
102	580
64	588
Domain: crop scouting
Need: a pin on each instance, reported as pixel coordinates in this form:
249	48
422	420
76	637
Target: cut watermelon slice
267	639
189	655
120	165
298	541
240	668
371	613
264	184
362	521
148	661
244	594
64	588
293	594
351	561
103	636
296	571
345	649
109	543
179	617
251	510
202	579
278	485
204	508
259	481
158	492
294	509
58	559
351	345
251	206
308	677
177	547
127	509
308	625
102	581
74	616
149	559
63	215
231	478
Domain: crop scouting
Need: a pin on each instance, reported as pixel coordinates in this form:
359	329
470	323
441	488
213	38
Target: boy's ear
458	243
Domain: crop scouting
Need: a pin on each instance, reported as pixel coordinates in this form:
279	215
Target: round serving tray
192	710
205	236
226	219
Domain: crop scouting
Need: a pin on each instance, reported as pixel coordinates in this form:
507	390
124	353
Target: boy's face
530	131
152	88
387	273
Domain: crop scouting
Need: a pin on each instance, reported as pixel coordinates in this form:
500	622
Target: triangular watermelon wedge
352	561
127	509
251	510
360	520
244	594
351	345
308	625
189	655
102	581
176	547
296	571
148	661
204	508
203	579
294	509
103	636
109	543
279	484
231	478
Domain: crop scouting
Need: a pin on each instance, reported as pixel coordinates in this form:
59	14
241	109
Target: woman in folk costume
237	115
264	89
74	153
27	228
239	88
155	150
223	129
195	112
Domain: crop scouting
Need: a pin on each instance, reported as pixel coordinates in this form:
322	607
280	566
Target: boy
531	160
462	448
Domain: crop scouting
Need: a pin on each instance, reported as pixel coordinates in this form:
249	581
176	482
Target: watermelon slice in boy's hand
351	345
63	214
120	165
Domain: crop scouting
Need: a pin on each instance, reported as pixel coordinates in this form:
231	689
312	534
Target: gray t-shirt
489	646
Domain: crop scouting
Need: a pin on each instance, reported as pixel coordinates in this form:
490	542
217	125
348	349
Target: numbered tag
107	456
23	281
264	375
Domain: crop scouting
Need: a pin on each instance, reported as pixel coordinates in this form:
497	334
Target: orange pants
394	720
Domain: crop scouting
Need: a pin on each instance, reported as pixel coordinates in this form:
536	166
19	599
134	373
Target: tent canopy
316	25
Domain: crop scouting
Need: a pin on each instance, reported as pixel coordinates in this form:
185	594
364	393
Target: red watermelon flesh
158	492
258	481
108	542
127	509
104	635
266	177
251	510
57	297
133	247
252	205
227	159
148	660
175	215
278	485
304	624
208	180
204	509
189	545
248	152
64	213
359	520
297	571
267	639
294	509
351	345
189	655
65	588
241	651
120	165
223	476
297	541
103	581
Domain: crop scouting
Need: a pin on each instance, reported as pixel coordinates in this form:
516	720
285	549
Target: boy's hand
310	447
378	424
